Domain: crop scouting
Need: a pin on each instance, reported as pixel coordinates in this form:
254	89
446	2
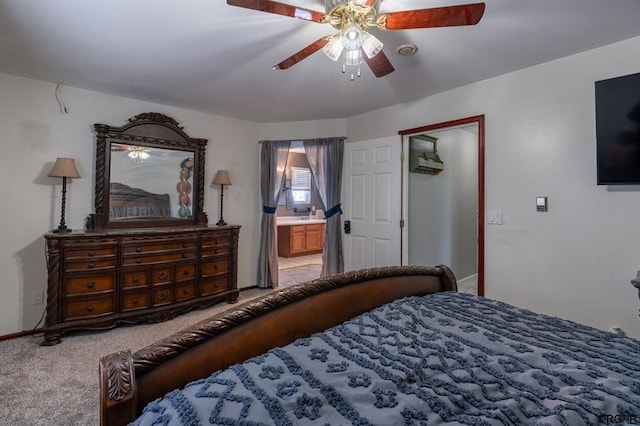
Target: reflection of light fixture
222	179
138	153
351	18
64	168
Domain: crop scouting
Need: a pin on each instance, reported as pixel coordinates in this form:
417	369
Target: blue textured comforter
447	358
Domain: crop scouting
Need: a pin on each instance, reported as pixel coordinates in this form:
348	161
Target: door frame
480	121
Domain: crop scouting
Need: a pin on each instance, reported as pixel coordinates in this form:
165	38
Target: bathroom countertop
297	220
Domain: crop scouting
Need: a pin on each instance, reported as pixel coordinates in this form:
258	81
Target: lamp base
221	223
61	230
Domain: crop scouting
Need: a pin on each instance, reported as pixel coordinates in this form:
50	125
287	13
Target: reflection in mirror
150	182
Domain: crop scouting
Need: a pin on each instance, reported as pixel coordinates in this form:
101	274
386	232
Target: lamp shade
222	178
64	167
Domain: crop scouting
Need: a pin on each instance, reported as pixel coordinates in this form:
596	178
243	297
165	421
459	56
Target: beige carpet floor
58	385
298	274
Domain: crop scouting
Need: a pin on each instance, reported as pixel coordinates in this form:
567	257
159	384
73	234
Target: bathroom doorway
300	222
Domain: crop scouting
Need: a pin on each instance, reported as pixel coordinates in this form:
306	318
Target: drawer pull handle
136	279
185	291
186	272
91	285
91	265
185	245
216	251
216	267
138	249
138	260
92	253
162	296
135	301
163	275
90	308
185	255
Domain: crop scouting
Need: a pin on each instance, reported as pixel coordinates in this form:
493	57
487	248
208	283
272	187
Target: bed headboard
135	203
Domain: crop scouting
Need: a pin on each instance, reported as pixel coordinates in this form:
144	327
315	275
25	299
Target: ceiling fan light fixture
334	48
352	38
371	45
353	57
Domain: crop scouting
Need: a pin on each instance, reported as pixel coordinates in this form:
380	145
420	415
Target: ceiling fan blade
448	16
379	64
303	53
279	9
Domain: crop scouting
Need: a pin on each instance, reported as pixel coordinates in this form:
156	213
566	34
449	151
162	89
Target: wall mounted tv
618	130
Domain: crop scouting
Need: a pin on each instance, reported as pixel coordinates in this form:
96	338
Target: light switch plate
542	204
494	217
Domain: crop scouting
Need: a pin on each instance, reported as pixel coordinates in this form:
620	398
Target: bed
126	202
395	345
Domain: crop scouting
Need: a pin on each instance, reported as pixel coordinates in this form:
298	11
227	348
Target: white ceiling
207	56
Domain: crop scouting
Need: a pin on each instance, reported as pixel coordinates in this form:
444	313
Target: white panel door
372	195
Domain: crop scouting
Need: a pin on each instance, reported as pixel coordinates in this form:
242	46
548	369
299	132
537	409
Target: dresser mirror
149	173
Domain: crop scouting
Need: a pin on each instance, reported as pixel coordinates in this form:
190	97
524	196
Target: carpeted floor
298	274
58	385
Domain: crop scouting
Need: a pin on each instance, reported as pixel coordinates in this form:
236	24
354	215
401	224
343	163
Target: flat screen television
618	130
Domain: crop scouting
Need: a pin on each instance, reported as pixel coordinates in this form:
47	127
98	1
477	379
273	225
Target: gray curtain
273	161
325	160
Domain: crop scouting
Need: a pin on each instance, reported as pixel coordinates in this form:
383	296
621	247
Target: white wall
34	133
299	130
442	221
576	260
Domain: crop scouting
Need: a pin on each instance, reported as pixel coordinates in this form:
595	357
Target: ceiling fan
353	18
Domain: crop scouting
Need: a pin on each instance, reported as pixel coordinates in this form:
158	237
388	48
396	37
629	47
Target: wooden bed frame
128	382
122	196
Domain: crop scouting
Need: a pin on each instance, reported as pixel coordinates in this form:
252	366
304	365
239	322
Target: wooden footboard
128	382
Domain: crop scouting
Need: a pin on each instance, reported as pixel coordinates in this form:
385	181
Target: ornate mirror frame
146	130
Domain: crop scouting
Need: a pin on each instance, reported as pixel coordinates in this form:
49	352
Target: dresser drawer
162	295
158	258
162	275
185	291
89	284
215	267
135	300
78	309
159	247
314	227
89	252
185	272
90	265
134	278
214	285
215	241
215	251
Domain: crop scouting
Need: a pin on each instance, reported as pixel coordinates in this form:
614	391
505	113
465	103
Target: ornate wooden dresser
99	279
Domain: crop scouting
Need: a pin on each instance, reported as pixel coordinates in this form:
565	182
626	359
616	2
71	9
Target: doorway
443	203
300	224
